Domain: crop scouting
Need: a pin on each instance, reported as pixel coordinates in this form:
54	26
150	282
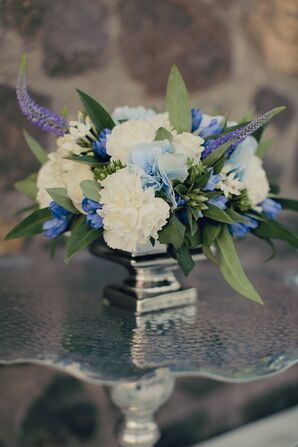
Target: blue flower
93	218
219	201
214	128
160	166
53	227
179	200
197	116
60	222
239	229
271	208
242	154
132	113
57	210
99	146
38	115
214	179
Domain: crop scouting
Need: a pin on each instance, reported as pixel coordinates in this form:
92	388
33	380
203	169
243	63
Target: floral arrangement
137	177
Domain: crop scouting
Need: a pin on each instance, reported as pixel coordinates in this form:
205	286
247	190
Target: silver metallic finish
138	402
55	315
152	284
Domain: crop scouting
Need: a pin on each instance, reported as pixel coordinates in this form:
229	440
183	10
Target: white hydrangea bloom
50	175
189	145
132	113
126	136
76	173
255	180
131	215
60	173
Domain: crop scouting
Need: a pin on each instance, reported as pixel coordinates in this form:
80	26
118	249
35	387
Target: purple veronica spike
238	135
38	115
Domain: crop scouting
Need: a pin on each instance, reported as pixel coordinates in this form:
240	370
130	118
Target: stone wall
234	55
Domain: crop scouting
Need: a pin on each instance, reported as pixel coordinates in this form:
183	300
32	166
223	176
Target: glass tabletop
56	316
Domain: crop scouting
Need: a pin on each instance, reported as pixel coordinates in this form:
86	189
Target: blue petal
58	210
197	116
239	229
271	208
89	205
95	221
53	227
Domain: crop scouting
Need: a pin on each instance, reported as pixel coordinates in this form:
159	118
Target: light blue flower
271	208
219	202
214	128
160	166
132	113
93	218
242	154
240	229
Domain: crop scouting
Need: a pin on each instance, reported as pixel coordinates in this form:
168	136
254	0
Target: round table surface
56	316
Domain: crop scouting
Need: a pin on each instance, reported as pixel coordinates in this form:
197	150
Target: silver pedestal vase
151	284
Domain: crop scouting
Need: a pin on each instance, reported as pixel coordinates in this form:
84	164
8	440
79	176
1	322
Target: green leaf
275	230
210	232
26	209
263	148
237	217
98	115
163	134
172	233
81	236
217	154
208	253
177	102
218	166
60	196
87	159
30	225
193	225
215	213
37	150
287	204
202	180
27	186
181	189
90	189
193	240
185	260
231	269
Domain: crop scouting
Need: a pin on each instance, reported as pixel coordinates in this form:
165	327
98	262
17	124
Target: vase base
161	301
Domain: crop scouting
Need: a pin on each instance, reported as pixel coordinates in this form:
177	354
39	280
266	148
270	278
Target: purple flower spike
238	135
38	115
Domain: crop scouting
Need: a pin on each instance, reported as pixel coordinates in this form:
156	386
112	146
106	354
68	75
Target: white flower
188	145
69	144
126	135
255	180
76	173
229	184
132	113
60	173
131	215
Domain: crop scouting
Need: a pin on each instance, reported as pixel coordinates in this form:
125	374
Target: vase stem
138	401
